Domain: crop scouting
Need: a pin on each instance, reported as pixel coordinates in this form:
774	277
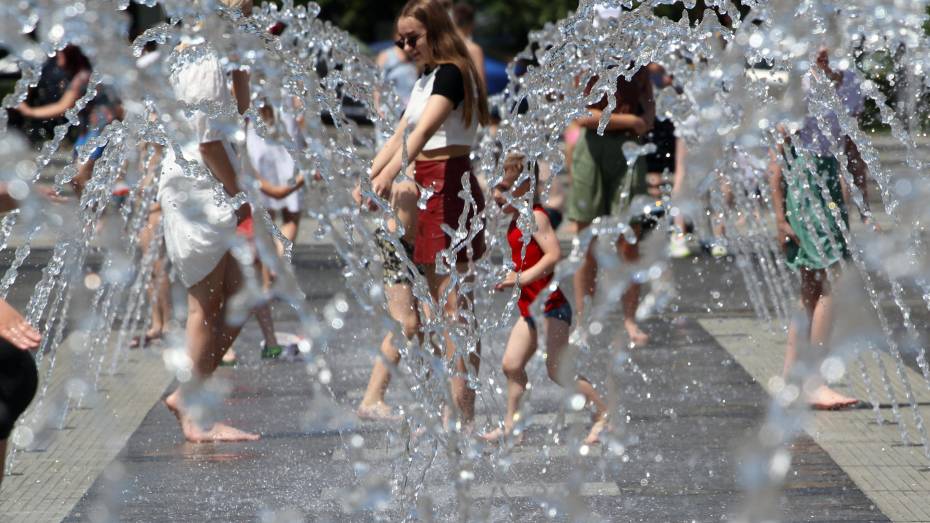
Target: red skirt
445	206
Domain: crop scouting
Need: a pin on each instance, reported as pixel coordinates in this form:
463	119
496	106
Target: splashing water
726	111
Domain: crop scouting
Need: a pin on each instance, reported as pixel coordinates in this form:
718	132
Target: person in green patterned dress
810	204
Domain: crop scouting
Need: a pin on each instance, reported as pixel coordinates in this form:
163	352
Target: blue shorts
562	312
83	139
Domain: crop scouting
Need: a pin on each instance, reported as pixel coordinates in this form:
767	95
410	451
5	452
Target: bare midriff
444	153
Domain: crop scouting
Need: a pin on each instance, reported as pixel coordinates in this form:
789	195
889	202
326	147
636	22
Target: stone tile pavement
894	476
59	465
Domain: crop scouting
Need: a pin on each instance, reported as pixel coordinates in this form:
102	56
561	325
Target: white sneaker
718	251
678	246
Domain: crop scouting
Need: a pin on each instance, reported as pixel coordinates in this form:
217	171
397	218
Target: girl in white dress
199	227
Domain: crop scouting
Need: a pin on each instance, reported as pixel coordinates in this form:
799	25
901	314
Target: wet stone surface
688	421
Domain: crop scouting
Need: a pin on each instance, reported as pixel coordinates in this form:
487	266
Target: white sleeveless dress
199	226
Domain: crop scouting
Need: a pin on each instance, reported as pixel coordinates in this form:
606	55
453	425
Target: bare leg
163	295
263	311
208	337
85	171
560	367
585	277
462	395
821	326
403	308
226	333
799	328
158	289
521	346
629	253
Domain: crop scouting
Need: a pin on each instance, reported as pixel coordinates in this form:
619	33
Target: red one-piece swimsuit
530	291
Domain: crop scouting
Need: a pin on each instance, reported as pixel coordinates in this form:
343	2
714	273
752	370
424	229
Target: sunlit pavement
691	417
689	420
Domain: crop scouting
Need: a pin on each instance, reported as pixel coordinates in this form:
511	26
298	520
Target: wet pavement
691	410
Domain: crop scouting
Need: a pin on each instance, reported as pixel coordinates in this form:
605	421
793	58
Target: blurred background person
463	14
103	109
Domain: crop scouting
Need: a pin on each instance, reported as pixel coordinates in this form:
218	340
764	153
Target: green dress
812	218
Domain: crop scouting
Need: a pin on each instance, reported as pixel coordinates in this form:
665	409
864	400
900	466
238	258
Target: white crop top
445	80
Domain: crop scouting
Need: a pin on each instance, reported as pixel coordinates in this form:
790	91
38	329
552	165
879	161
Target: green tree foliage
501	25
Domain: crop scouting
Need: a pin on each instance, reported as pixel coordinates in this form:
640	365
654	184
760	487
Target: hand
509	281
639	126
299	181
785	232
14	329
357	194
381	185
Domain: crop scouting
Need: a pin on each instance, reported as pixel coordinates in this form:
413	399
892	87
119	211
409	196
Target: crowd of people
437	72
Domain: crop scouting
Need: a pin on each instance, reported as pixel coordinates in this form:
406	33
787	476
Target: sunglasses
403	42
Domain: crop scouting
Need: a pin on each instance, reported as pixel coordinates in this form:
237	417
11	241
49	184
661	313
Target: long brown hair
447	47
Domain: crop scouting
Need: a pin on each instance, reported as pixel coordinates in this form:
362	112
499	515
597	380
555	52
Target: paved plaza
698	404
695	398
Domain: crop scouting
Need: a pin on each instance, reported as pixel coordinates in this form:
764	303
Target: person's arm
549	244
679	179
280	191
617	122
7	202
61	106
437	109
240	89
860	173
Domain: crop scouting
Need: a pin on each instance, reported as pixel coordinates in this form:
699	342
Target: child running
534	274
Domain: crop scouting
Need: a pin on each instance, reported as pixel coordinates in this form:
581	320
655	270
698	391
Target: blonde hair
515	162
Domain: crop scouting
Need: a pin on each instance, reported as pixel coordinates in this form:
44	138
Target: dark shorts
18	381
562	312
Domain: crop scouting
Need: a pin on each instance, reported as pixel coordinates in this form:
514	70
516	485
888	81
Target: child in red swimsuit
533	273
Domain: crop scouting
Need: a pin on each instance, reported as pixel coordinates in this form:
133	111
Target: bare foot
173	404
217	433
494	435
499	434
150	337
638	338
825	398
229	358
379	411
195	434
599	426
